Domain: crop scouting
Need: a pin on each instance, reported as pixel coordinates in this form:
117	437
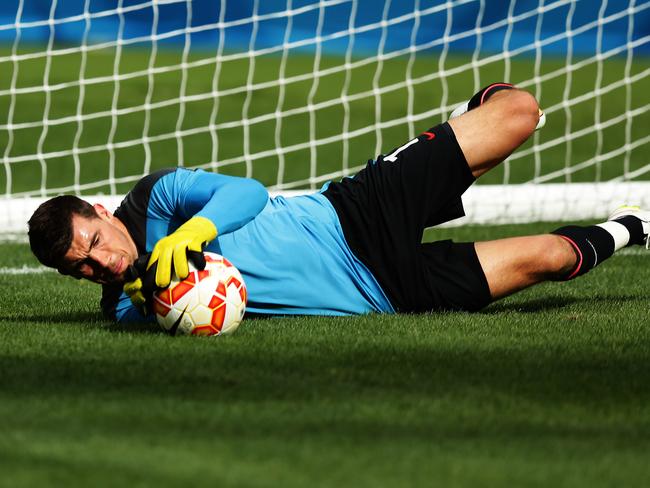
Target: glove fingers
171	252
138	299
195	245
164	268
197	258
153	257
180	262
134	291
132	287
141	283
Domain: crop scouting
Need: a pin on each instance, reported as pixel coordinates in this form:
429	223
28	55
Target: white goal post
94	95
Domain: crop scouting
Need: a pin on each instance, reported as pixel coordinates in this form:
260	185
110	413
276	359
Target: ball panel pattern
208	302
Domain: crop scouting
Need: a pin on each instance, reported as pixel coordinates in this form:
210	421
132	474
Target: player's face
101	250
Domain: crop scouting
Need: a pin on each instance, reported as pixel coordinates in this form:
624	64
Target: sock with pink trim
592	245
480	97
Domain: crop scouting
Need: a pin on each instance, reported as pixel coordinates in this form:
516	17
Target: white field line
13	238
633	251
25	270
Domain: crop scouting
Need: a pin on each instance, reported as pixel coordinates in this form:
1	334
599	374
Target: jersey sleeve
126	312
229	202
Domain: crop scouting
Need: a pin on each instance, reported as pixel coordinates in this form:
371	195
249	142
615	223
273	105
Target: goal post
95	94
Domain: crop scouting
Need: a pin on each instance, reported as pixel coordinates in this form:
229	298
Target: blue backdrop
172	16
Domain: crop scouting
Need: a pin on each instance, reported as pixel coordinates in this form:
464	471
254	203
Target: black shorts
384	210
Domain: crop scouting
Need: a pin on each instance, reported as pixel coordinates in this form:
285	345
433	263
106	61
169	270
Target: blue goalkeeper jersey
291	252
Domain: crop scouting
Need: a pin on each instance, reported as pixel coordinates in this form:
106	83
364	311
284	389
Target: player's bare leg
489	133
512	264
516	263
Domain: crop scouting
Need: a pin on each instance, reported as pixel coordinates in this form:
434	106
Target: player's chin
118	279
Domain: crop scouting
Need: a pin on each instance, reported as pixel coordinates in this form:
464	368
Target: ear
102	211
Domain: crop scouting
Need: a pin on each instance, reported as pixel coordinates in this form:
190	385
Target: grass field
547	388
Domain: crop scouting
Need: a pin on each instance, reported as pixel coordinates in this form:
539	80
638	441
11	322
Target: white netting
295	93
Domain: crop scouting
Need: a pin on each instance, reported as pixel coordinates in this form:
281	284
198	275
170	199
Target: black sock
591	244
635	227
480	97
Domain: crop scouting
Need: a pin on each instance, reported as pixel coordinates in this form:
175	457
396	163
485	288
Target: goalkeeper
352	248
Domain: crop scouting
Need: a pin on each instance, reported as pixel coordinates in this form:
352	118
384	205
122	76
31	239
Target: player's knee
523	113
556	257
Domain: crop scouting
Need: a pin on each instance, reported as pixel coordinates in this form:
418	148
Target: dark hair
50	228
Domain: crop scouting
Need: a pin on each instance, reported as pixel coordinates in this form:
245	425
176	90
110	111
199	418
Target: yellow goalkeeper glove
133	290
140	284
173	249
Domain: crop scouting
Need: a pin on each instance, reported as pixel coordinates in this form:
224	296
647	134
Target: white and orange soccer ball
208	302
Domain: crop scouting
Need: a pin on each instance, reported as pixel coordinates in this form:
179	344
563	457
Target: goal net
96	94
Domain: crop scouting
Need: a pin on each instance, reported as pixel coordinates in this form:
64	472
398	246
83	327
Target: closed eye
76	266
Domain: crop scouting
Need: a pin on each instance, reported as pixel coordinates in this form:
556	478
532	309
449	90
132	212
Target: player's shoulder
139	195
134	208
146	183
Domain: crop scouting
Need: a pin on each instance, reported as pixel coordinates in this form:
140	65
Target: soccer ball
208	302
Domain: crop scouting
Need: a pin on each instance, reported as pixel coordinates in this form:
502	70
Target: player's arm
212	204
117	306
125	311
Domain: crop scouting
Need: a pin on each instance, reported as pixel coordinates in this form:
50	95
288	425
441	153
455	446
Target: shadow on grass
257	371
545	304
511	305
91	320
133	328
56	318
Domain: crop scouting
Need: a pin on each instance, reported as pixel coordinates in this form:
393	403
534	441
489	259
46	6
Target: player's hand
173	249
141	284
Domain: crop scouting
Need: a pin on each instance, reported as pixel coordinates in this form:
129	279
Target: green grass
228	143
550	387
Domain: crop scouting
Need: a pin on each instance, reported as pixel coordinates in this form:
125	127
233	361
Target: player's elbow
251	199
258	189
255	193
